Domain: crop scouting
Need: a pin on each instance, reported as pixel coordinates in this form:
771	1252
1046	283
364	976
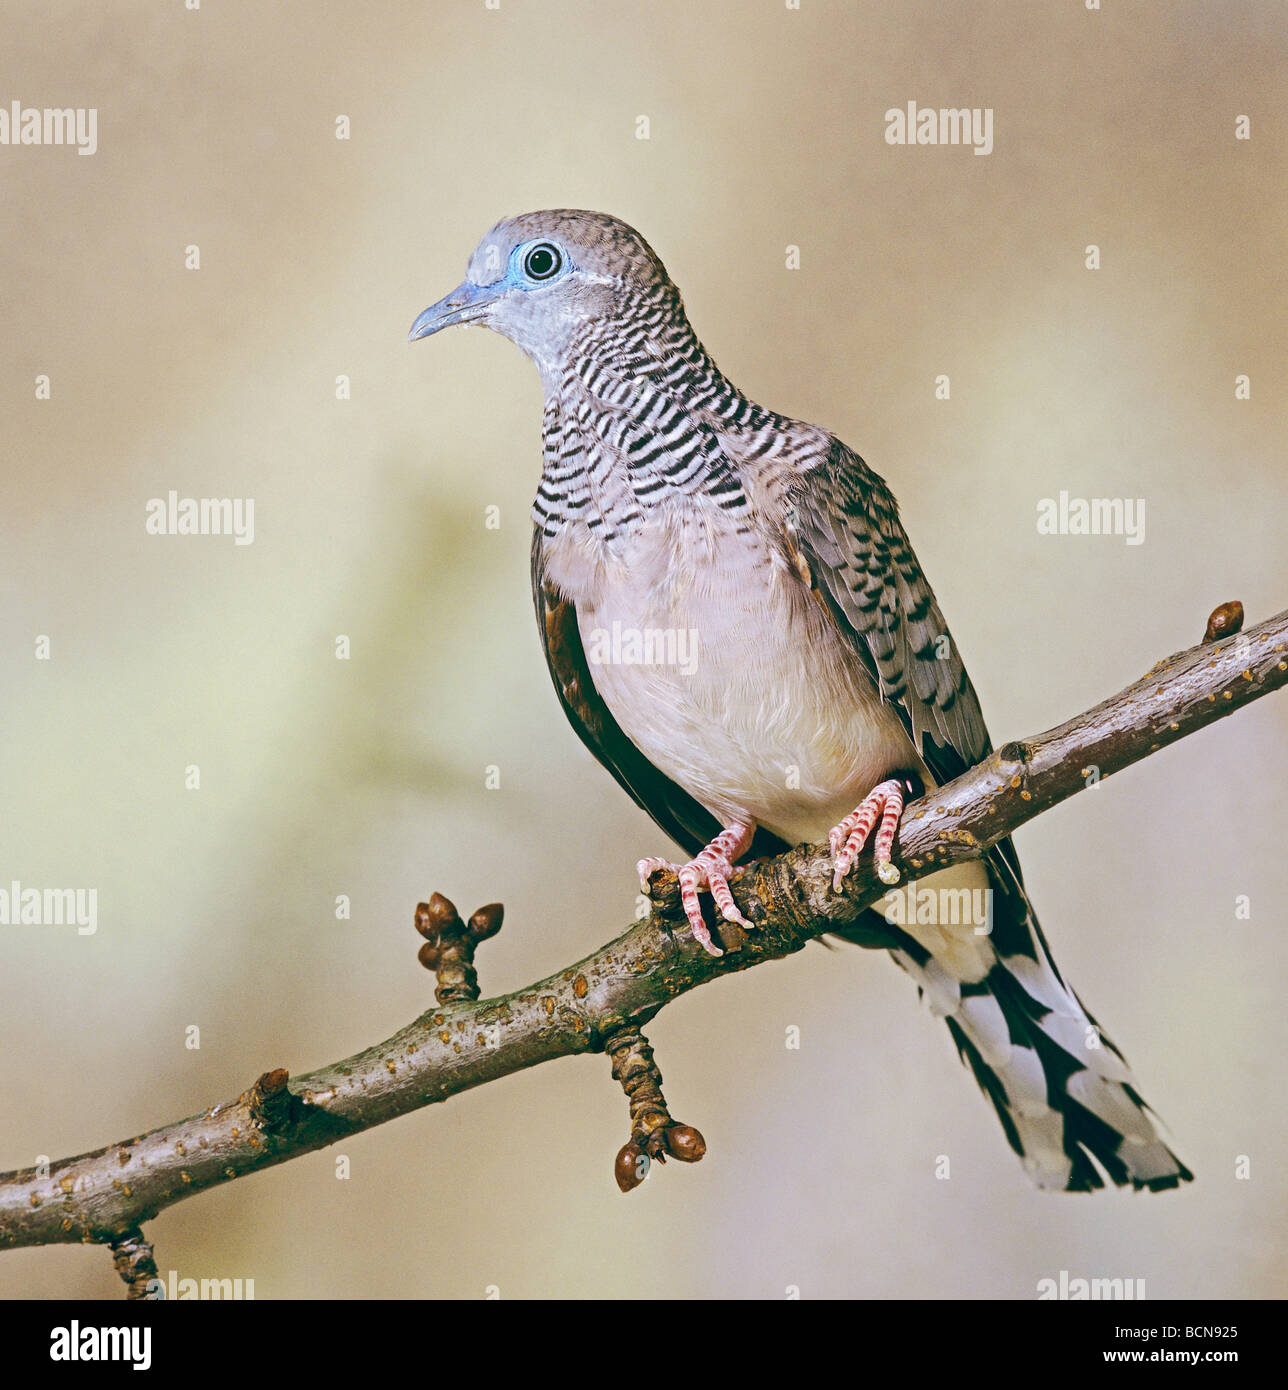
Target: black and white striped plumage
670	503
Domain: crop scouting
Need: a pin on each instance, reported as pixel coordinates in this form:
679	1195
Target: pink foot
883	802
710	870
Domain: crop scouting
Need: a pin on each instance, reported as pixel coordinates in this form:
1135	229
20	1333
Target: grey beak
466	303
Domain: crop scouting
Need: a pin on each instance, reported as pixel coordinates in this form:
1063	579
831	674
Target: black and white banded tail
1063	1092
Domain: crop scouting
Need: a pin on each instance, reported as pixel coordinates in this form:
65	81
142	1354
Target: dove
738	629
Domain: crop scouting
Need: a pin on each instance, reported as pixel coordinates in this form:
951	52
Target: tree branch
105	1196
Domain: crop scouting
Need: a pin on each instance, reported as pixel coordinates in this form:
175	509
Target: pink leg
884	803
710	870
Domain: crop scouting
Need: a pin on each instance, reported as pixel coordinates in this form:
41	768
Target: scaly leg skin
710	870
885	803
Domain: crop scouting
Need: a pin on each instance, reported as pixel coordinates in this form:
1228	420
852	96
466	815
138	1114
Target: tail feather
1064	1094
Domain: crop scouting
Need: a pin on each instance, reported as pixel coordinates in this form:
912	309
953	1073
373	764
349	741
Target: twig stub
450	944
136	1264
654	1134
269	1100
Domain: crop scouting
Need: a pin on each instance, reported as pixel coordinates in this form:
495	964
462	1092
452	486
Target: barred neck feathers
637	415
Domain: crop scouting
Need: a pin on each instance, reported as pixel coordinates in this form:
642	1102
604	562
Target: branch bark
105	1196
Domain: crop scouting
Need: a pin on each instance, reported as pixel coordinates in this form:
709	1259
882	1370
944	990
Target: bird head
540	279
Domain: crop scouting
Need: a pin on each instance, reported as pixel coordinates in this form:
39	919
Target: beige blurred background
321	777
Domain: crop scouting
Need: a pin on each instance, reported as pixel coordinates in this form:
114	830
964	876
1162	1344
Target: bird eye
542	261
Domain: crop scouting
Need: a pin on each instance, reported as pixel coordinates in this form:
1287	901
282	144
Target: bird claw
710	871
884	803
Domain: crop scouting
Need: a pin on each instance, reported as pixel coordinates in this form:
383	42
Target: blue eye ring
542	262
